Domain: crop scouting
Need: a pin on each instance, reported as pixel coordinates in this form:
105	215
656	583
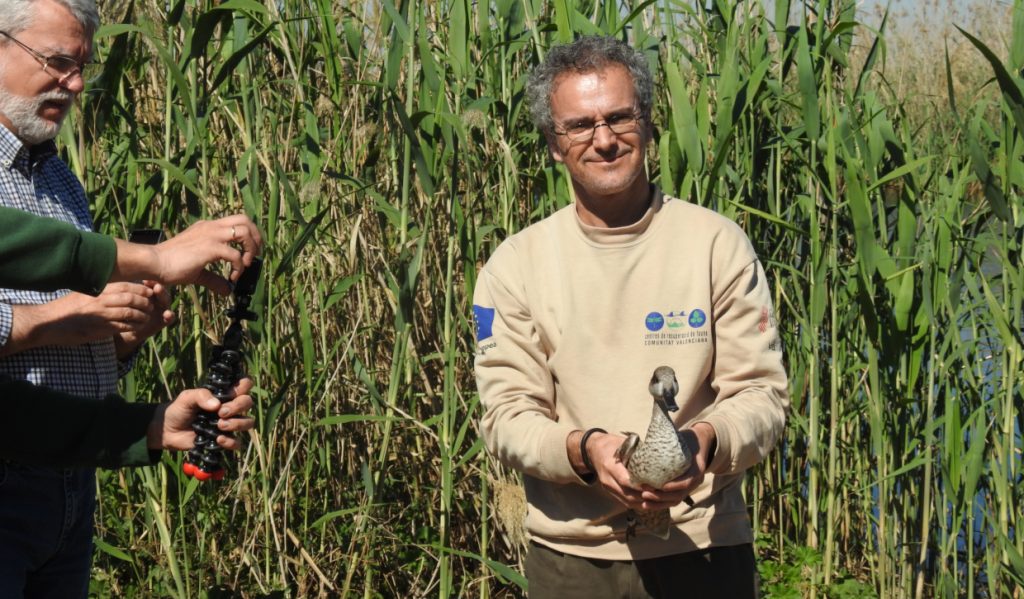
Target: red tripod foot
199	474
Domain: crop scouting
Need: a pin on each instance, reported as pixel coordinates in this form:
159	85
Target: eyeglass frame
61	77
587	137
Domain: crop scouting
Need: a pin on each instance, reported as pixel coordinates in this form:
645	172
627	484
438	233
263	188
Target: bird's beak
670	400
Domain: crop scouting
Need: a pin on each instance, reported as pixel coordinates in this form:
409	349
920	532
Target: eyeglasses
60	67
619	124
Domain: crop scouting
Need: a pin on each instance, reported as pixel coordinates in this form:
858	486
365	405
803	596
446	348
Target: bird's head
664	387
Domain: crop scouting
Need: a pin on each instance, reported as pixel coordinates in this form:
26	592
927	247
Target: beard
23	113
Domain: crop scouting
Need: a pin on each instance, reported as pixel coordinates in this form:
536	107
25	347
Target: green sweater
43	426
43	254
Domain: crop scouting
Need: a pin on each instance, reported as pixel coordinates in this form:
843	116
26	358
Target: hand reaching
172	426
77	318
159	318
183	259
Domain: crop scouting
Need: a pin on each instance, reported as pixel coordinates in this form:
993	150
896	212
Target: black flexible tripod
227	366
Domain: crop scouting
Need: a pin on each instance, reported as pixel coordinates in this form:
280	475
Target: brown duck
662	456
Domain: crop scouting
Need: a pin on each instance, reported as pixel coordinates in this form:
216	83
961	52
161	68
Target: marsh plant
384	149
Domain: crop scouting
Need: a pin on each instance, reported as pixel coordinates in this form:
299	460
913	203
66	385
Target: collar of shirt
14	154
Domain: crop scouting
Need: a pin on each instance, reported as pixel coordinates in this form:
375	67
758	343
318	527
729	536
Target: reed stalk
384	149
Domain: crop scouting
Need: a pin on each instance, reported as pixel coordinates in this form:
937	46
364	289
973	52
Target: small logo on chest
676	327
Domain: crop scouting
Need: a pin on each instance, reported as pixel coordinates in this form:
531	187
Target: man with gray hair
574	313
71	342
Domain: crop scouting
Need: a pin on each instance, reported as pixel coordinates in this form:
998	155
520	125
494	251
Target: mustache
57	95
615	154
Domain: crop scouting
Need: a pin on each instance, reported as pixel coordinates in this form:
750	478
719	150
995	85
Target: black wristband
583	451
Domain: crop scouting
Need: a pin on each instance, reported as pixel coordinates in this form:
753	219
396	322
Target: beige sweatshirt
571	322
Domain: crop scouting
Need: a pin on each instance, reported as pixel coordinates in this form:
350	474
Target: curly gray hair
17	15
586	55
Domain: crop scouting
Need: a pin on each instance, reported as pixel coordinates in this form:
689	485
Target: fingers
125	294
233	425
676	491
238	406
243	232
161	294
198	397
126	320
183	259
234	415
239	231
686	483
648	498
141	310
180	415
654	499
611	473
243	386
127	287
126	307
224	251
615	480
214	282
229	443
162	300
626	495
603	449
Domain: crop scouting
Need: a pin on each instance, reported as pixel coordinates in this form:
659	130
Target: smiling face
608	171
33	103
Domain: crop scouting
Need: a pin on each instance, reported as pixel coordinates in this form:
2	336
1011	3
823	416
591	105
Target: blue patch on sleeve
484	318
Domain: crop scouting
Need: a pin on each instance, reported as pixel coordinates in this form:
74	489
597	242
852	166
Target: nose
604	138
74	82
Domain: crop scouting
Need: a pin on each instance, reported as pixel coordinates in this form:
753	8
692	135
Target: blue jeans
45	531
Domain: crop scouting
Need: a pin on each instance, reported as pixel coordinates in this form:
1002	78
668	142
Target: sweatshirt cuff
139	454
125	445
721	462
554	459
94	259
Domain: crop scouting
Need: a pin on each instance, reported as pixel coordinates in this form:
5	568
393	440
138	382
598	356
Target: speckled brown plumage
661	457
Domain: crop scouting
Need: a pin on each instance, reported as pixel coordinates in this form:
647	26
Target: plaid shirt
34	179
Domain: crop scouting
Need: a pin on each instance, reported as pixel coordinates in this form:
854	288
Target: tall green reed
384	149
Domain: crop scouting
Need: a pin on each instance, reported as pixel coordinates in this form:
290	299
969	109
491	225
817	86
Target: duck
660	457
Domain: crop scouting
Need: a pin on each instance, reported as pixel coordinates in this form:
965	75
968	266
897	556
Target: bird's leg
631	523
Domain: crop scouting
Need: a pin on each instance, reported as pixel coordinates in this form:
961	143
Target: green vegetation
384	149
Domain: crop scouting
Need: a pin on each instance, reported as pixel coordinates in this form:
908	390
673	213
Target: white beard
23	113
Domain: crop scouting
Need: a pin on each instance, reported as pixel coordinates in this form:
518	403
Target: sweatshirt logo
655	321
484	318
678	327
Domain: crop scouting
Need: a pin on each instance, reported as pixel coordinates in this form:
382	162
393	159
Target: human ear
556	152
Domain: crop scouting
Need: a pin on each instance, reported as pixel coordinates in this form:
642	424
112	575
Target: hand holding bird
661	457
